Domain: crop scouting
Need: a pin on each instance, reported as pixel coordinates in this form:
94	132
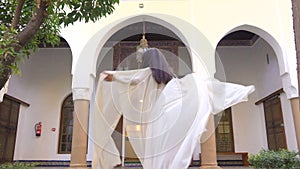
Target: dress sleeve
223	95
129	76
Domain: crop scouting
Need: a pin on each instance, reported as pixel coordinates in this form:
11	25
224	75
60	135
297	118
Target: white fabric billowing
124	95
170	119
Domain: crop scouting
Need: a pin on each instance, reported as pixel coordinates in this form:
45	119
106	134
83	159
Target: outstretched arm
131	76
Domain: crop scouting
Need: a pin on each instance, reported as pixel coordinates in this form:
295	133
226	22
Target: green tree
26	24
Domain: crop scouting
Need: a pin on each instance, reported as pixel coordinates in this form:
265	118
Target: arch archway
121	48
250	55
269	39
288	75
84	72
119	53
85	69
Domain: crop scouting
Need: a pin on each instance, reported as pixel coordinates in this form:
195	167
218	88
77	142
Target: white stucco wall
197	24
248	125
44	84
46	81
249	65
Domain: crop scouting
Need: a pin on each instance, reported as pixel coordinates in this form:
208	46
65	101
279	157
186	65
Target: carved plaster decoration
290	90
81	94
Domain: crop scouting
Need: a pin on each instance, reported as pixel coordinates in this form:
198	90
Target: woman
154	59
164	116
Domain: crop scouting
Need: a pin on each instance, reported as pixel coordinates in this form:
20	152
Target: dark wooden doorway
224	132
9	113
274	123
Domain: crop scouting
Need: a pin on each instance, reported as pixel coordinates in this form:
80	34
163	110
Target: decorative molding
244	42
290	89
291	92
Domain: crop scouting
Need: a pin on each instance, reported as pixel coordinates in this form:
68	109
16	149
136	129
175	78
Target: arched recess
85	69
288	82
122	45
96	43
119	51
261	62
66	126
84	72
268	38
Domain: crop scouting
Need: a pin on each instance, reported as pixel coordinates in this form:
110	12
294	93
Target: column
295	101
80	134
296	117
208	147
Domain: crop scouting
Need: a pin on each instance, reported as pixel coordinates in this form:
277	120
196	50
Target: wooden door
274	123
224	131
9	113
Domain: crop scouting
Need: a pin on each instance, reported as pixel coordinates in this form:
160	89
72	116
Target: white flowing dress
163	122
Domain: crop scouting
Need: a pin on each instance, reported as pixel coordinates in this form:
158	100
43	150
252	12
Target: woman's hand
109	77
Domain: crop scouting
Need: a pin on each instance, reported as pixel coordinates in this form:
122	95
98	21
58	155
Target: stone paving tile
141	168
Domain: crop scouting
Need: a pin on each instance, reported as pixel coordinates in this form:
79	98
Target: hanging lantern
142	47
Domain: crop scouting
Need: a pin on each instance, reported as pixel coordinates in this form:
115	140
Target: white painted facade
44	84
250	65
50	75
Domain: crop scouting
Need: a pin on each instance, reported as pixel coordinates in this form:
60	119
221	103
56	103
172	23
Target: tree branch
17	14
35	22
24	37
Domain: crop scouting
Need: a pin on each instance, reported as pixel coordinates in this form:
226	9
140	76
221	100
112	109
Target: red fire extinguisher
38	129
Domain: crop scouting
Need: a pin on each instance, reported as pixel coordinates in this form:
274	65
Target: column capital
289	88
291	92
82	94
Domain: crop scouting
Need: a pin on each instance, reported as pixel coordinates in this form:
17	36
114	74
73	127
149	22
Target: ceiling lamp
142	47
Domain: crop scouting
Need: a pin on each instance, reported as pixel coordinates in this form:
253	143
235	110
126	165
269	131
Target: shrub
18	165
269	159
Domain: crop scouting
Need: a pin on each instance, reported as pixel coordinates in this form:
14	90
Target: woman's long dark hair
161	71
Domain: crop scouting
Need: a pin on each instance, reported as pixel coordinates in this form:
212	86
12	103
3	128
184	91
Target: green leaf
60	13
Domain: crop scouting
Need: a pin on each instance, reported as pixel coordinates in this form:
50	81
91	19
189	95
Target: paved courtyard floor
141	168
221	167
